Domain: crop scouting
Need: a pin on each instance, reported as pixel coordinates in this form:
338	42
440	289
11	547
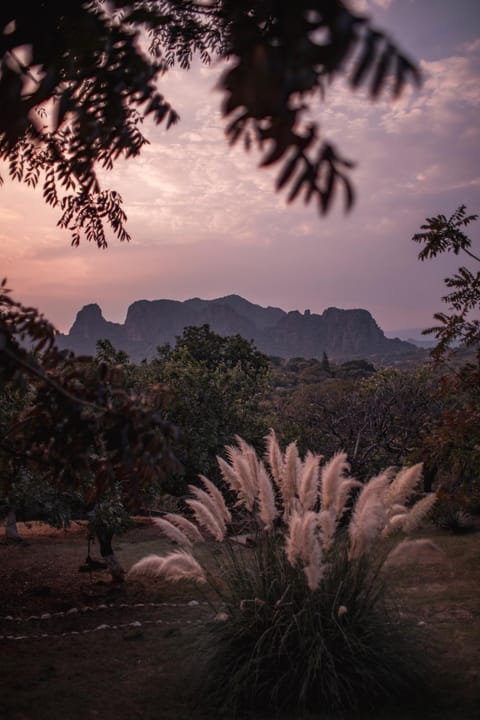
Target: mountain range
342	334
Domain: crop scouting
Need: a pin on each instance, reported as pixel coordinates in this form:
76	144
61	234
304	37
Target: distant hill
413	335
342	334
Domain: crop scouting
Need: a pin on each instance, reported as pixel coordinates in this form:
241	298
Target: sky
206	222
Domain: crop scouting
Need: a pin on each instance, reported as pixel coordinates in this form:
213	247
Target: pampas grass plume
332	477
205	518
172	532
189	528
266	498
369	515
228	473
327	526
308	483
182	566
150	565
418	512
403	485
289	477
217	496
274	457
174	567
293	545
210	504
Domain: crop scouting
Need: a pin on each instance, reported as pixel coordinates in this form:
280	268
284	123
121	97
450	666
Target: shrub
456	507
306	623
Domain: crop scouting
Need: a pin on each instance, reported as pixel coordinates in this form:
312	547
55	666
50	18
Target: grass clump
303	618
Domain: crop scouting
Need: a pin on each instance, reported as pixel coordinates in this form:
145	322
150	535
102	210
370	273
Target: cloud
205	221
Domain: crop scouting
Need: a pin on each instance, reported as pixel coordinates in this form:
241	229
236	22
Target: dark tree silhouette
76	83
440	235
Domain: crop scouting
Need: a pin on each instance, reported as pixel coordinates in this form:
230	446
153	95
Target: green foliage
107	354
452	443
81	422
32	499
77	99
218	385
442	235
379	420
110	512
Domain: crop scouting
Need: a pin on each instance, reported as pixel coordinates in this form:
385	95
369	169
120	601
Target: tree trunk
11	530
105	537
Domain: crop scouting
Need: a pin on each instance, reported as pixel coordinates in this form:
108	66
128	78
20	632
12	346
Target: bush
456	507
286	647
305	620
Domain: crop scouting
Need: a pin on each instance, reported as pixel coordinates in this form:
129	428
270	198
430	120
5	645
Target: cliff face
90	326
343	334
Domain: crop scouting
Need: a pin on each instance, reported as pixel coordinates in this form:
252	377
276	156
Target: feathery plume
395	522
228	474
293	545
327	525
310	550
189	528
396	510
182	566
315	569
150	565
273	456
332	476
403	485
172	532
418	512
369	515
244	469
248	453
266	498
205	518
210	504
175	566
343	491
308	483
217	496
302	546
288	486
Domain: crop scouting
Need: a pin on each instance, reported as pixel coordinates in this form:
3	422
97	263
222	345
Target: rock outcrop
342	334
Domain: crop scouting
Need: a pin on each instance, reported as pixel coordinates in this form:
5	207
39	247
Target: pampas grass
306	619
172	532
173	567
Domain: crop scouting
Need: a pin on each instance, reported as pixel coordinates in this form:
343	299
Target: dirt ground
76	646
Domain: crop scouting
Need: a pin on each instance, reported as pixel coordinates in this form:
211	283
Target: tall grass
306	622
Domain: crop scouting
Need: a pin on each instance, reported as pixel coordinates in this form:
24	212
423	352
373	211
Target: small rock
221	617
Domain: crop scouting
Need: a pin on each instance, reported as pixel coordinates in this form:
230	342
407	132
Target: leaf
366	59
381	72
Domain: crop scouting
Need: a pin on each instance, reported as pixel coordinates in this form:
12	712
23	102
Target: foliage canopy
441	235
78	78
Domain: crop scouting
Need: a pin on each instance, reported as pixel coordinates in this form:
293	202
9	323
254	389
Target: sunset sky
206	222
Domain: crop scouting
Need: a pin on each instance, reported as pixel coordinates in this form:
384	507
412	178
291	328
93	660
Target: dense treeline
208	389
